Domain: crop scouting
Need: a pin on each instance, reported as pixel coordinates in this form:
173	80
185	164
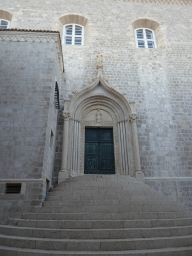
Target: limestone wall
28	73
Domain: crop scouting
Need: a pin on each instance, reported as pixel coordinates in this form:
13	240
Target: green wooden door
99	153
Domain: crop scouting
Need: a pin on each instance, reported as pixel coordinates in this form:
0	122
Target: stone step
98	224
95	244
100	215
141	205
64	198
100	177
97	216
106	206
110	210
122	194
102	186
106	209
13	251
131	189
92	233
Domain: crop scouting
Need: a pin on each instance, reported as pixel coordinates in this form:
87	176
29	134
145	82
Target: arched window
148	34
4	24
73	34
5	19
73	28
145	38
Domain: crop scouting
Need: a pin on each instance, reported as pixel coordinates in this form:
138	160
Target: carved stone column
63	174
138	173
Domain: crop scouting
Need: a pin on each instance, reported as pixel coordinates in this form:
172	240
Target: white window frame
145	38
73	34
8	25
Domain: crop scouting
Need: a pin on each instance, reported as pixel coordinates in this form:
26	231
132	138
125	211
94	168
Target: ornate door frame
114	112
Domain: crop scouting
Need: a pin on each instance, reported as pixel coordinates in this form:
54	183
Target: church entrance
99	151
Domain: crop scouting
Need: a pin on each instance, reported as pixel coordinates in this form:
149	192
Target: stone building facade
157	80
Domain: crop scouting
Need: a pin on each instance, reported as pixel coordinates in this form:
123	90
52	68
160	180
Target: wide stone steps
129	218
105	209
96	206
89	202
112	215
174	251
106	224
100	215
100	232
95	244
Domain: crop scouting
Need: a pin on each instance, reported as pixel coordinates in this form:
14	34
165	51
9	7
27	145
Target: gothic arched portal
99	105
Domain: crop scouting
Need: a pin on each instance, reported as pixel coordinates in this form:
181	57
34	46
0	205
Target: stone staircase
100	215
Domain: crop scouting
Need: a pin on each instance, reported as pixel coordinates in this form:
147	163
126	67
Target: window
57	105
145	38
73	34
13	188
4	24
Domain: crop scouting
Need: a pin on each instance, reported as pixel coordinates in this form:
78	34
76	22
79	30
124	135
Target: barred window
145	38
73	34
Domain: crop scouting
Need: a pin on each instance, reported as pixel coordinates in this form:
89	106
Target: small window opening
51	139
13	188
57	96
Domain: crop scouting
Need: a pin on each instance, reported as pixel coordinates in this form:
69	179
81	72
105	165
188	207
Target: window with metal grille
13	188
73	34
57	96
145	38
4	24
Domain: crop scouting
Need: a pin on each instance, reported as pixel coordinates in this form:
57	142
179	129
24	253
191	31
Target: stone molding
177	2
145	23
5	15
168	178
10	35
66	116
133	117
22	180
73	18
83	109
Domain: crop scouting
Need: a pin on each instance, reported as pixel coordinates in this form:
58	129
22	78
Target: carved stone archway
99	105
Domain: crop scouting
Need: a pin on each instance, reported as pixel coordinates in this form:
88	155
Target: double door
99	151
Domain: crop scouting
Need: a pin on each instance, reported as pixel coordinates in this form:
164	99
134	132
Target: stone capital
66	116
133	117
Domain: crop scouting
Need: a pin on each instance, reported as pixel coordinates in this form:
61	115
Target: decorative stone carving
94	78
98	116
66	116
99	63
99	105
92	116
75	92
133	117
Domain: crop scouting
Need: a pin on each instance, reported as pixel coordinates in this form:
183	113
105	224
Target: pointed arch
114	112
92	95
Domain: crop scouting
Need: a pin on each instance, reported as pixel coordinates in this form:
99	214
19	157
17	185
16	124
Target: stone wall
28	114
158	80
